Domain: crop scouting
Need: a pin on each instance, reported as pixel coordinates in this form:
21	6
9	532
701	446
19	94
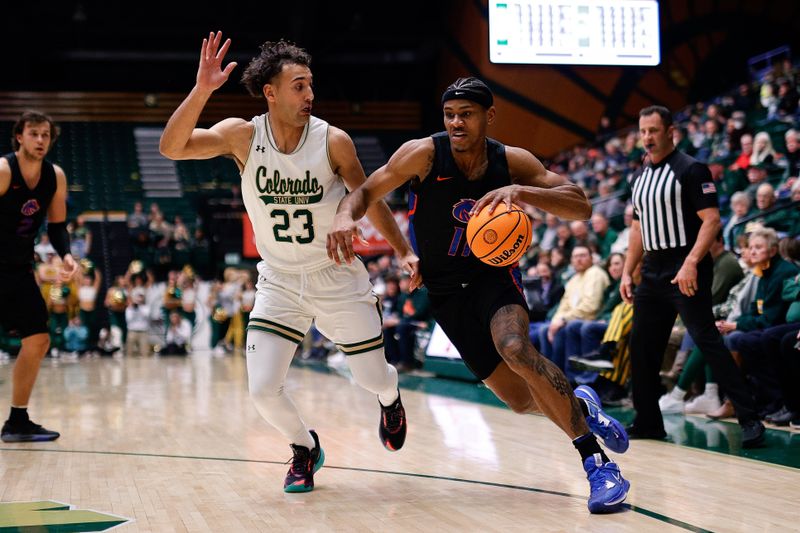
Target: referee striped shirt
666	198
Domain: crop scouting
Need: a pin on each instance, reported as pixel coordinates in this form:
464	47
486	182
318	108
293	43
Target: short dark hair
661	111
32	116
269	63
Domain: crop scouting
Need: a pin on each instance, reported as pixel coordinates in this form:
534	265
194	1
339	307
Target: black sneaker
782	417
27	432
392	429
300	477
752	434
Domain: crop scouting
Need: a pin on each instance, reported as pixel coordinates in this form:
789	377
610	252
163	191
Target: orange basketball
501	238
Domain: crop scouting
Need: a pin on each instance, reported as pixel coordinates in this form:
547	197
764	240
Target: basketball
501	238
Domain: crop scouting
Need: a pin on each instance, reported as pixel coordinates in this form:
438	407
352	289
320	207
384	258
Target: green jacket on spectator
727	273
791	295
611	298
768	308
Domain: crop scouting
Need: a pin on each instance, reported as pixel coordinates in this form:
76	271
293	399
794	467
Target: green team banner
51	516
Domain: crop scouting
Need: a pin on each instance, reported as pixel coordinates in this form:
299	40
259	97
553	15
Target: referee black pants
655	306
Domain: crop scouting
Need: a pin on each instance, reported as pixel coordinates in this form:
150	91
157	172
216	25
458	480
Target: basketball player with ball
469	231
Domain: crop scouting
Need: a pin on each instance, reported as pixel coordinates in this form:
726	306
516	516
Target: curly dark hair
269	63
31	116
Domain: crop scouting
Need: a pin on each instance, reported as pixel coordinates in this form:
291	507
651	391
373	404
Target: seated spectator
682	141
542	292
607	203
582	237
559	266
740	208
768	311
763	152
180	234
620	245
744	99
137	220
582	300
736	128
604	235
564	239
179	333
767	308
742	161
583	337
792	156
76	337
549	233
781	221
787	99
756	175
139	231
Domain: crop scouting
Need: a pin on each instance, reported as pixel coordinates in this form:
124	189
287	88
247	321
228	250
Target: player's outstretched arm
181	140
535	185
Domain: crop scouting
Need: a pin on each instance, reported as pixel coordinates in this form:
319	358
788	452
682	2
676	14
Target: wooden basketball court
175	444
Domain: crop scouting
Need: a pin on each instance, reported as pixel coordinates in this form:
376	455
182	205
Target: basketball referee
676	218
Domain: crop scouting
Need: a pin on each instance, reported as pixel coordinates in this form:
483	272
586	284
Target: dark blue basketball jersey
22	212
439	209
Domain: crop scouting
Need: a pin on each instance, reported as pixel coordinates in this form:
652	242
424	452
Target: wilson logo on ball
501	238
505	255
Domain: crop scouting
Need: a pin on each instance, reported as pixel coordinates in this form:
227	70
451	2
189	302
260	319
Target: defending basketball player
295	169
30	188
481	308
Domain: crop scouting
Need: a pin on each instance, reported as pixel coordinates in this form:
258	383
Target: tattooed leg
547	383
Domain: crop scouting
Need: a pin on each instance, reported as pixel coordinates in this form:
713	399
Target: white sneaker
670	405
706	403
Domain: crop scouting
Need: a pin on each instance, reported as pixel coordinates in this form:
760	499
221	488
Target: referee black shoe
26	431
393	426
753	434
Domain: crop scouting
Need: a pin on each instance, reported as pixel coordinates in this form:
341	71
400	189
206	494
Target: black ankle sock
587	446
584	407
18	414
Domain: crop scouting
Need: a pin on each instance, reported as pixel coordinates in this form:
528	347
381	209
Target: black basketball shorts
465	316
22	308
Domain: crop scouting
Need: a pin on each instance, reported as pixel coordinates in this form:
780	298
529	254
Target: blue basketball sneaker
601	424
608	488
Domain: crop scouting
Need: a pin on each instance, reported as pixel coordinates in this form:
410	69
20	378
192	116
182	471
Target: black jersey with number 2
439	212
22	212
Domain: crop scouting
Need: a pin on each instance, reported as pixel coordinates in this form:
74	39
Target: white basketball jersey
291	199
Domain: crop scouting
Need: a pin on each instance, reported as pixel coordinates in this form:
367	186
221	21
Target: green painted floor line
629	507
781	447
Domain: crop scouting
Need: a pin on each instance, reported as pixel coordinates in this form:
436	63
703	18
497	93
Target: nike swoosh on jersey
441	178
